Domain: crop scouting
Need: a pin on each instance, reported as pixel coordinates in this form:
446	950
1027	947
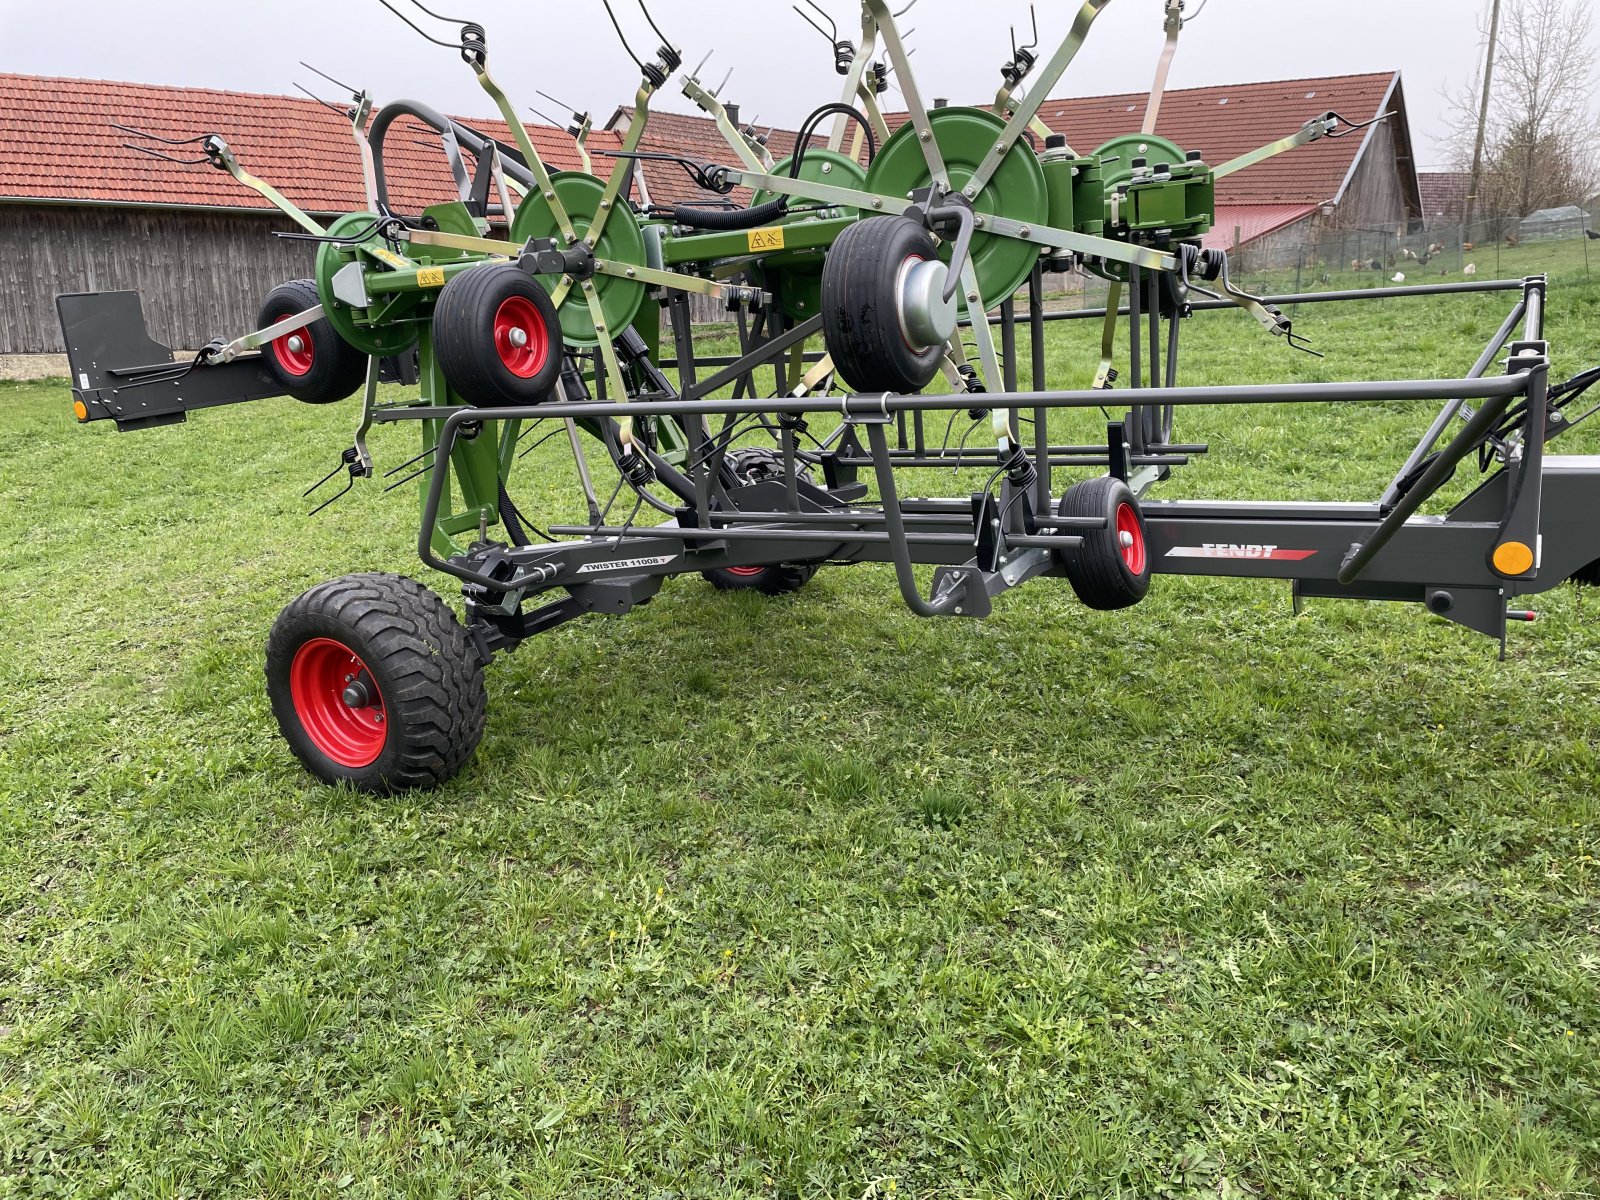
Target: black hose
728	218
803	138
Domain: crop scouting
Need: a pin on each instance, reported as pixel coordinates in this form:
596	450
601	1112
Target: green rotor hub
1016	192
621	242
1124	150
381	339
1129	147
797	277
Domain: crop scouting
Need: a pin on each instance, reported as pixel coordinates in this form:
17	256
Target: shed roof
57	143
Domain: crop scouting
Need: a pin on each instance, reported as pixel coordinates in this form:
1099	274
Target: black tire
474	323
861	323
758	465
1106	574
314	365
419	676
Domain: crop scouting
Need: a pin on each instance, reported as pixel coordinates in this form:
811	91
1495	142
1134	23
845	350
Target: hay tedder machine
874	279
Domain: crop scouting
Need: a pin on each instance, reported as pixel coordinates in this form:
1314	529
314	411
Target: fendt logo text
1236	550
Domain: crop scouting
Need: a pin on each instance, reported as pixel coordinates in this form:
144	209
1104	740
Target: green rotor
383	338
797	277
1016	192
621	242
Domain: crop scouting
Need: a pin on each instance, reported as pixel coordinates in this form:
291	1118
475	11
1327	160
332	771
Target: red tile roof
1241	223
1444	195
1225	122
56	143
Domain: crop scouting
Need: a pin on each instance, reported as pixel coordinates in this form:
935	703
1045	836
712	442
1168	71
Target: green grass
801	897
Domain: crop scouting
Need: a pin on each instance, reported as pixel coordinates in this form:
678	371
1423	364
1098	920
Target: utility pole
1483	119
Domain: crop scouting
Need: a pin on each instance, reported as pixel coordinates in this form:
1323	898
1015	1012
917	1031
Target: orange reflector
80	410
1513	558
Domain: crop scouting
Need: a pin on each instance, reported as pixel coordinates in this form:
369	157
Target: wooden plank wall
202	274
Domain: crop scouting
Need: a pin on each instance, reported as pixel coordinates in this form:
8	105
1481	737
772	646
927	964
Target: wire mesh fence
1563	243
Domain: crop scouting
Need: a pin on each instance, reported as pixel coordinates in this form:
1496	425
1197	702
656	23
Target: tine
341	492
695	74
621	37
156	137
182	162
330	78
328	104
823	13
665	40
420	31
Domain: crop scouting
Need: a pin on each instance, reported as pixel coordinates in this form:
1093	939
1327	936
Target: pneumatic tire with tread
1111	569
474	321
314	364
861	323
426	677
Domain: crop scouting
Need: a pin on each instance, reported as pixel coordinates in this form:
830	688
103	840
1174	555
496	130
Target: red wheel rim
1130	538
294	361
322	673
745	572
518	315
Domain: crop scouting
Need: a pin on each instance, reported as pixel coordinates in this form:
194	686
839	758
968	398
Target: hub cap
520	337
926	317
338	703
745	572
1130	538
294	351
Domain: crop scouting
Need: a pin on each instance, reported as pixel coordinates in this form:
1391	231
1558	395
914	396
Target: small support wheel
313	364
497	337
884	317
374	684
753	466
1111	569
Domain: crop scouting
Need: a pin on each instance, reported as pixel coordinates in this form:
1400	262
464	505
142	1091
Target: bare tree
1539	147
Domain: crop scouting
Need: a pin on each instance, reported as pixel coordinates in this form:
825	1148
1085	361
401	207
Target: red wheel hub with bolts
1130	538
520	337
338	702
294	351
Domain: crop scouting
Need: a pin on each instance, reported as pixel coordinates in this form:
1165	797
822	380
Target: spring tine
323	480
695	74
415	458
456	45
1033	45
833	25
156	137
440	16
182	162
717	91
328	104
545	117
665	40
400	483
330	78
905	10
621	37
812	23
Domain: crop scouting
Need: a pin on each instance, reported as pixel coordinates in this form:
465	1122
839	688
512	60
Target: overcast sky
783	68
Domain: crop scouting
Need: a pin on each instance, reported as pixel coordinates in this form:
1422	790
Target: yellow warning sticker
388	256
763	240
430	277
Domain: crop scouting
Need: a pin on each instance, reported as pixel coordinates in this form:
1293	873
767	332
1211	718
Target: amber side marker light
80	410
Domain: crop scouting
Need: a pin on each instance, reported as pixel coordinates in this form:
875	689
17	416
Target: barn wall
202	275
1376	197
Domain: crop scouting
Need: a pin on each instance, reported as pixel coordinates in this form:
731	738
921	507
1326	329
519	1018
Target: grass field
800	897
